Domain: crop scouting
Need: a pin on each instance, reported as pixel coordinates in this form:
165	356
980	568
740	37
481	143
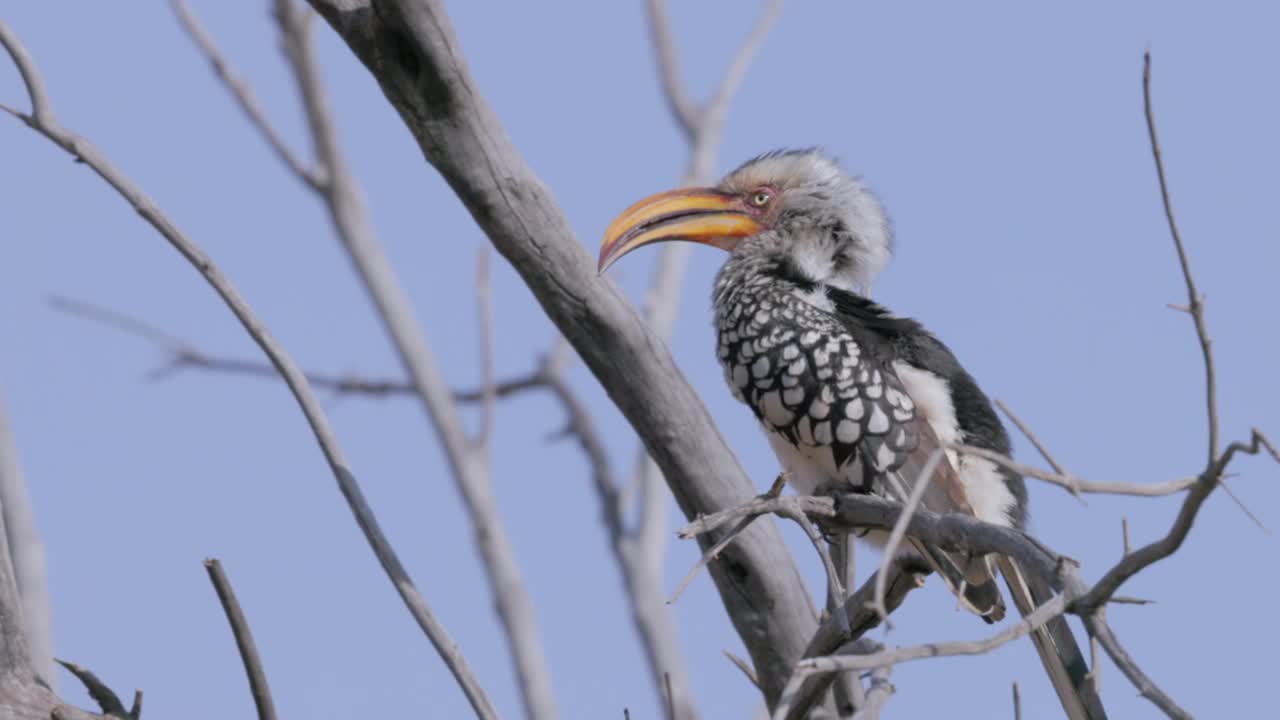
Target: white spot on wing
847	431
761	367
879	422
884	458
774	411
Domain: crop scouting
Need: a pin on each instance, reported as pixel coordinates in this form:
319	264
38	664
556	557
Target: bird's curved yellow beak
702	215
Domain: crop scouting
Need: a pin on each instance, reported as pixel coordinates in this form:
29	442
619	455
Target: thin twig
1076	485
857	663
899	530
1149	554
796	508
1017	702
744	666
879	690
806	690
686	114
844	663
101	693
489	383
1124	532
1035	441
244	640
43	120
710	554
1098	628
244	95
1195	301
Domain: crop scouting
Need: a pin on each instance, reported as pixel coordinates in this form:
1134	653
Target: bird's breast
809	381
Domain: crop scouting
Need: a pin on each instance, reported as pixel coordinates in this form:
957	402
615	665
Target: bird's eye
760	198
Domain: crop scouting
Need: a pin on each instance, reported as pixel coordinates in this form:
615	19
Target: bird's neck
748	283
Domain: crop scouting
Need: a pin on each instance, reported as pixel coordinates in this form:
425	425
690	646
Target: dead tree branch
43	120
342	196
25	556
243	95
411	50
1195	301
253	668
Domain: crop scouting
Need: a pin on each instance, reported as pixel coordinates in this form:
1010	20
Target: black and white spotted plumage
804	374
850	396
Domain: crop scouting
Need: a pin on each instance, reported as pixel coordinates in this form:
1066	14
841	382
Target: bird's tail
1056	646
969	579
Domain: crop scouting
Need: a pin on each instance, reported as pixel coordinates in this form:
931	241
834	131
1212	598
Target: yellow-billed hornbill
851	397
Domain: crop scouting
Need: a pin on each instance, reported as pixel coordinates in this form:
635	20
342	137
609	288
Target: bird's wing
1055	643
970	579
897	440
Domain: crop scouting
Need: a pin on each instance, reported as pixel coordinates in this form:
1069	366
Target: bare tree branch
1101	631
410	48
849	624
899	530
26	557
1139	559
1076	485
342	197
489	382
258	686
1035	441
42	120
1195	301
884	658
686	114
243	95
104	695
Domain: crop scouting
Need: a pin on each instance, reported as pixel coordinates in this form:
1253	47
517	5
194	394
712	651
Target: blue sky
1008	143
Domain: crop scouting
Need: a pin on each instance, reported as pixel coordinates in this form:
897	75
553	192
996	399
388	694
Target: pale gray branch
411	50
1195	301
683	109
26	558
900	529
1076	485
43	120
855	663
243	95
253	668
468	464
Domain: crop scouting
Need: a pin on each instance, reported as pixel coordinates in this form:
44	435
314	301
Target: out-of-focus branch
253	668
43	120
411	50
343	199
25	556
243	95
686	114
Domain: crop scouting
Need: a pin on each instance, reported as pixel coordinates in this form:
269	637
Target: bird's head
796	207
